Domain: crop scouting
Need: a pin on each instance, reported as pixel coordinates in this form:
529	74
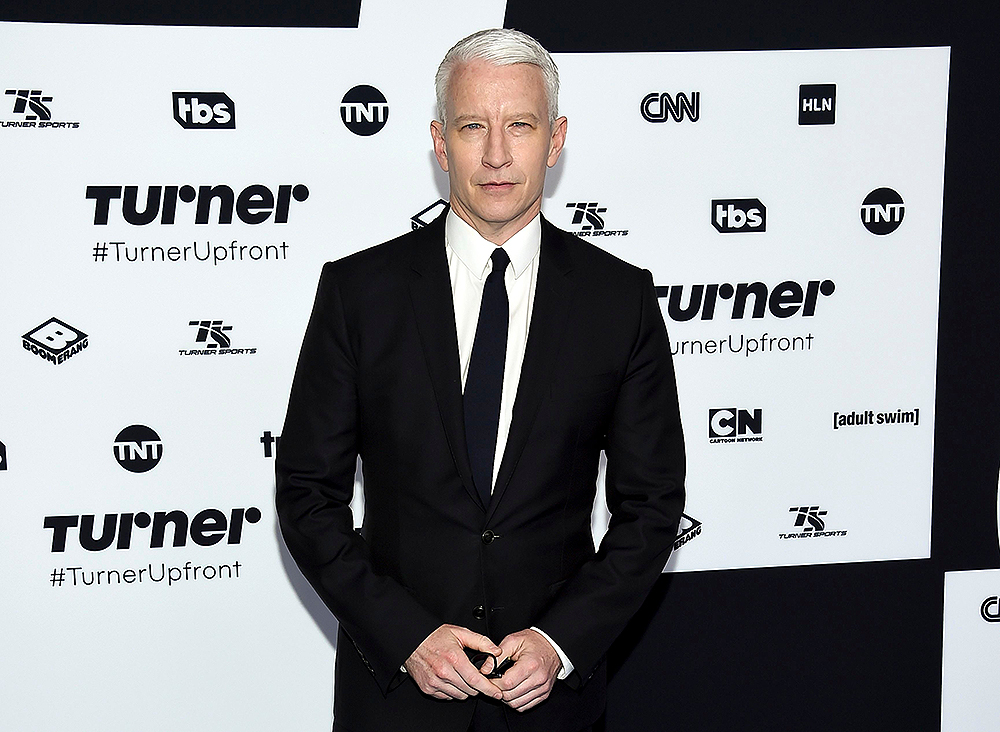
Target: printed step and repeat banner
169	198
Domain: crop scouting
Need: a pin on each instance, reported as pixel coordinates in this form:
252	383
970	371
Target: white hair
500	47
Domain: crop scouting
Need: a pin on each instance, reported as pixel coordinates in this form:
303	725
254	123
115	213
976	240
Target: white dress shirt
469	264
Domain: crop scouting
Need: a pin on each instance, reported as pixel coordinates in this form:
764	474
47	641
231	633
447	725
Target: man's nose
497	152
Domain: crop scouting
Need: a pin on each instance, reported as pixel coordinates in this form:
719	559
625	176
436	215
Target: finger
515	677
474	678
476	641
523	706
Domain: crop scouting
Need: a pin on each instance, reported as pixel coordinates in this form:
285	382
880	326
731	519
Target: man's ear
440	152
557	141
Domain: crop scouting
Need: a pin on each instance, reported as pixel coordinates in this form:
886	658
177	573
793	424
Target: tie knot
500	261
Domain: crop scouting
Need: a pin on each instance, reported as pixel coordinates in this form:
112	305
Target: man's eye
472	126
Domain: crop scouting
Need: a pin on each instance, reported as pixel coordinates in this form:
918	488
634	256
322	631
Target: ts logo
731	215
811	514
213	328
204	111
30	99
591	212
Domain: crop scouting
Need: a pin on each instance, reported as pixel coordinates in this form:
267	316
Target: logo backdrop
161	253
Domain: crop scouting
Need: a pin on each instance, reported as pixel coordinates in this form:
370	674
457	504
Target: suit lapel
434	306
553	295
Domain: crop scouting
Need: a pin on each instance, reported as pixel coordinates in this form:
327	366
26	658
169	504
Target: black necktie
484	380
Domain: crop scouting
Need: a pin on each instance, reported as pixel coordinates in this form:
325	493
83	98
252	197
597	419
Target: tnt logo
428	214
738	215
810	514
138	448
730	424
204	111
30	103
817	104
54	341
588	212
214	329
3	456
270	443
882	211
660	106
364	110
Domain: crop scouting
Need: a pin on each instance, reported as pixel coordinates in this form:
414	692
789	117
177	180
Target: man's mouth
497	185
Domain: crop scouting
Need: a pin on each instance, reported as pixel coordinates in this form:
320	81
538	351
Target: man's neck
496	234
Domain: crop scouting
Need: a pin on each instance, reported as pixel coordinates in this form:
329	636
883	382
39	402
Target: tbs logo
738	215
730	424
204	111
817	104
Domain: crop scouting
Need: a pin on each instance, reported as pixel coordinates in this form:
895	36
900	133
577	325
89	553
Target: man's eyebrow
531	116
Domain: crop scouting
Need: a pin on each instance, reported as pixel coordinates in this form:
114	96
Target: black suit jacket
378	376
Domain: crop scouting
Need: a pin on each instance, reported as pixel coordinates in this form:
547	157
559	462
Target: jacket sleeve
645	494
315	469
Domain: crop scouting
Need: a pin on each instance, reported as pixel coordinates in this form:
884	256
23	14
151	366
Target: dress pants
489	717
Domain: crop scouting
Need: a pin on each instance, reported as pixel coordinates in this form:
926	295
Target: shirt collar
475	251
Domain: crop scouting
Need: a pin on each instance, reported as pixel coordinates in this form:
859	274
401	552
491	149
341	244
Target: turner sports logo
661	106
214	334
55	341
206	528
253	205
687	529
810	520
364	110
784	300
33	106
587	215
204	111
730	424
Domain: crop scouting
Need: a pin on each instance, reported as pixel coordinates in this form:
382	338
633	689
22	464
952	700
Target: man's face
497	145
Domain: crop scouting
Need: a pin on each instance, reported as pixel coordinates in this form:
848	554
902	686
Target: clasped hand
441	668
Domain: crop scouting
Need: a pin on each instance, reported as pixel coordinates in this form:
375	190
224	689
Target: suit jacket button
488	537
479	612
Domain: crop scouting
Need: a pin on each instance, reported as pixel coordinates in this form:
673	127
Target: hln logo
364	110
204	111
741	215
660	106
882	211
817	104
729	424
138	448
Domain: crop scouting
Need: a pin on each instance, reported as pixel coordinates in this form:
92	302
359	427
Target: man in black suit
479	366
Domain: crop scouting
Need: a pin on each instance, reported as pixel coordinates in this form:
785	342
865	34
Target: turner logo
730	424
54	341
817	104
364	110
882	211
270	443
253	205
990	609
782	301
731	215
206	528
660	106
428	214
204	111
138	448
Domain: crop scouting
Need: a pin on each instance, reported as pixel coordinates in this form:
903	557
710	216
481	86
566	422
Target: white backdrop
253	650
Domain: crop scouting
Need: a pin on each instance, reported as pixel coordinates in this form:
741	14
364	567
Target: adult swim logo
33	106
810	520
990	609
687	529
204	111
587	215
138	448
817	104
882	211
364	110
55	341
869	417
214	334
729	424
738	215
660	106
423	218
